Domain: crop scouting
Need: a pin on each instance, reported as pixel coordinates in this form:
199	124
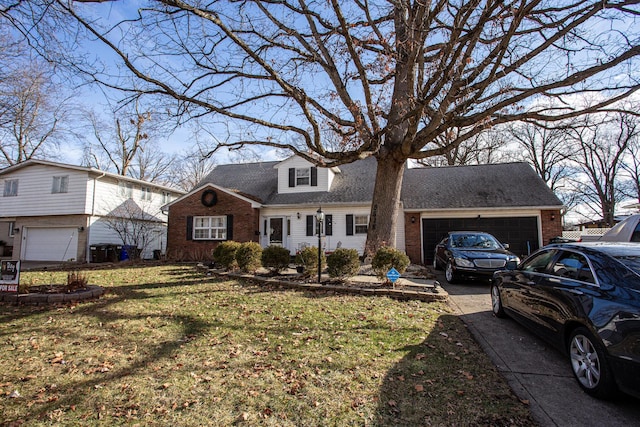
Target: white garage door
51	244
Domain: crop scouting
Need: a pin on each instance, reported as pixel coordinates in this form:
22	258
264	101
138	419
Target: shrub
343	263
387	257
276	258
248	257
225	254
307	258
76	280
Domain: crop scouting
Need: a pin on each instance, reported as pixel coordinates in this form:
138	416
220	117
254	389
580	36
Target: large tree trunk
385	204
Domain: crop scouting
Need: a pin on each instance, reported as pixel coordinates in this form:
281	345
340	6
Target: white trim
253	203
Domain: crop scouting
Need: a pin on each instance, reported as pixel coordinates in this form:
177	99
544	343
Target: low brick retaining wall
91	292
436	293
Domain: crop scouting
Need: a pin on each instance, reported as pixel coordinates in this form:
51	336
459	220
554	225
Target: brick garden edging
434	294
91	292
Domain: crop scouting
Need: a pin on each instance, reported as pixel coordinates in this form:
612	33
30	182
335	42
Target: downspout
93	210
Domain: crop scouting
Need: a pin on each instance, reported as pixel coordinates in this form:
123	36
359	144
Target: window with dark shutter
314	177
189	228
229	227
328	225
310	225
349	225
292	177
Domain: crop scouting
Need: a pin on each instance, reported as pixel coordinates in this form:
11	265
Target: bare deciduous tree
545	148
120	144
338	81
33	112
602	141
484	148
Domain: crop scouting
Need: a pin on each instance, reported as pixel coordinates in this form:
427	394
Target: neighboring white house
55	212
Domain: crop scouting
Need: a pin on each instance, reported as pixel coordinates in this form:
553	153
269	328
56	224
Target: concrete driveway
536	372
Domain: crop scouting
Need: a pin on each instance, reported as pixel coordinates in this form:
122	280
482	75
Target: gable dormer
297	175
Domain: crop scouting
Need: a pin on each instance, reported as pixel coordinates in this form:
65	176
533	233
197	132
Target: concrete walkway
536	372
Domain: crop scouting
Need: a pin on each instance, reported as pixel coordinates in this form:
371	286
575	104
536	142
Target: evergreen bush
387	257
276	258
343	263
225	254
307	258
248	257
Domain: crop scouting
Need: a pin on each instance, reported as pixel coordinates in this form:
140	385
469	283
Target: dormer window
301	177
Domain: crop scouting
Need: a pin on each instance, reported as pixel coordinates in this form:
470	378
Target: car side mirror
506	245
512	265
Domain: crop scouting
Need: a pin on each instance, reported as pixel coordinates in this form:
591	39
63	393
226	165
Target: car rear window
631	261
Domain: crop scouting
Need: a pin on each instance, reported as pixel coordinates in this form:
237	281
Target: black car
471	254
583	298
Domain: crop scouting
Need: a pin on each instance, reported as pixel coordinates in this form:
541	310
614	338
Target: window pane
302	176
210	227
573	266
361	223
11	187
539	262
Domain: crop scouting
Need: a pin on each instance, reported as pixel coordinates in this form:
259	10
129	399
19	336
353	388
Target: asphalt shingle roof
486	186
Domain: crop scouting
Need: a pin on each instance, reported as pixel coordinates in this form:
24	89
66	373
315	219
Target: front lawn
169	346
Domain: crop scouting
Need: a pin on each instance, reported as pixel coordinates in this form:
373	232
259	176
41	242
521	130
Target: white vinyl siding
125	189
325	176
60	184
210	228
297	227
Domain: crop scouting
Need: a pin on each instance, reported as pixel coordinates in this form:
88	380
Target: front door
276	231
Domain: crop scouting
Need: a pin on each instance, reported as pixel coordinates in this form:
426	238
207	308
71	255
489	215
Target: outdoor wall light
298	215
81	228
553	217
16	230
413	220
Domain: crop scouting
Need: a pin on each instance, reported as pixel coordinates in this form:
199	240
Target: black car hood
482	253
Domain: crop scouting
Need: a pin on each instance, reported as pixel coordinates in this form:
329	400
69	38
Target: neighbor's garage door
51	244
521	233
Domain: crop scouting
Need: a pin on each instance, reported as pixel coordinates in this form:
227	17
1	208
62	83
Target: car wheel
496	301
449	273
589	365
435	263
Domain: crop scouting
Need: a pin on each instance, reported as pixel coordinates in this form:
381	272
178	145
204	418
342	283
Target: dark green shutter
292	177
229	227
328	225
310	225
349	225
189	228
314	177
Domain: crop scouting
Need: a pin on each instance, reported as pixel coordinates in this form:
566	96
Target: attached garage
50	244
521	233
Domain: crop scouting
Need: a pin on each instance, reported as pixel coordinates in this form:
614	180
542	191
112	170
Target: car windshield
476	241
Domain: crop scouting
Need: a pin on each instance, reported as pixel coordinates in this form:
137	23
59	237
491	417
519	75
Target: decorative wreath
209	198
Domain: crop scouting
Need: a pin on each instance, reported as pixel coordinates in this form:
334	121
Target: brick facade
245	224
551	225
413	239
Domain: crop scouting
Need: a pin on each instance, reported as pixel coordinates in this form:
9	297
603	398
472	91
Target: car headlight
462	262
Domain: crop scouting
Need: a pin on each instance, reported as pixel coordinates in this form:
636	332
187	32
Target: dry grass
167	346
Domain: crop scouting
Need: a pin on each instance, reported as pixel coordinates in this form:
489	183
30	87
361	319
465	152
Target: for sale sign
9	276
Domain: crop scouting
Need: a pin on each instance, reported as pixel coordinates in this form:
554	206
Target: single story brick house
275	203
